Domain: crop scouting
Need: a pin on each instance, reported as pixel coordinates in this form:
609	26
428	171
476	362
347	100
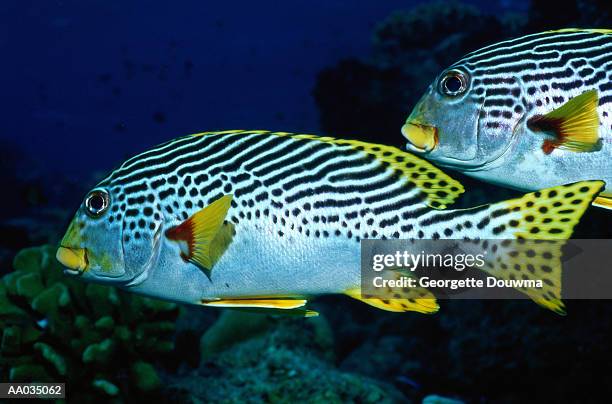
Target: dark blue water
87	83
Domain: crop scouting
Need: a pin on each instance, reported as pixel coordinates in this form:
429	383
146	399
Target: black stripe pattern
538	73
298	184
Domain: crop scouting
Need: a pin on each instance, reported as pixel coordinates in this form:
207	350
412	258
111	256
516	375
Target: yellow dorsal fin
440	189
593	30
575	125
549	214
398	299
203	237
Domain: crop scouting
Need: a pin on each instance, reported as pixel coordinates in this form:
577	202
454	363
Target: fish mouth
74	259
421	138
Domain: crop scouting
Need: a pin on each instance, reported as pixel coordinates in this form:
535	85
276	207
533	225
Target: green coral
99	340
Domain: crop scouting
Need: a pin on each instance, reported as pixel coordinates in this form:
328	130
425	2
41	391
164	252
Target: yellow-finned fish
268	220
526	113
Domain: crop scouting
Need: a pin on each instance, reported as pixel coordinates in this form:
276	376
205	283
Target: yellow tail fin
549	214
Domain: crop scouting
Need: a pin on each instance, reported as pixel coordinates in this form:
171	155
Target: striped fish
526	113
267	220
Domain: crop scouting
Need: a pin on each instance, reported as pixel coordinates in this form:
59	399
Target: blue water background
88	83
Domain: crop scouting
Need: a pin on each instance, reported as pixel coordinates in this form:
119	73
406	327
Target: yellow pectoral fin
204	234
221	241
603	201
575	125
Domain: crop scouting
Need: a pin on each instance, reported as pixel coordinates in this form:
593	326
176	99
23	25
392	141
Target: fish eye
453	83
96	202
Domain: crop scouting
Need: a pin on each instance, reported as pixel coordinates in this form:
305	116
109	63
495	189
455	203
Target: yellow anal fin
203	237
603	201
575	125
398	299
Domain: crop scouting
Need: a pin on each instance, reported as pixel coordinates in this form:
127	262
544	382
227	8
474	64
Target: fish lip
431	133
83	263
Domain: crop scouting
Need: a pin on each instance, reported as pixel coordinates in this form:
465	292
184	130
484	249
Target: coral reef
285	360
231	328
101	341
